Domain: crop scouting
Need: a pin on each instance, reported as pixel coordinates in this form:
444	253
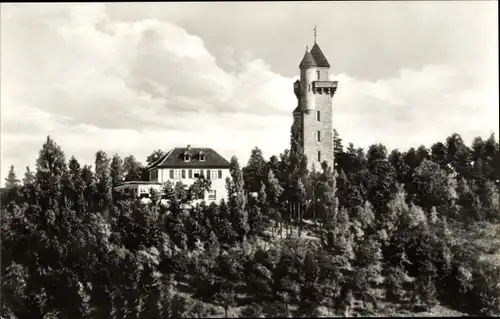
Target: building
186	164
138	188
314	113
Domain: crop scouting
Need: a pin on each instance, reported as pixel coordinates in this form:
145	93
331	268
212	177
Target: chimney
189	147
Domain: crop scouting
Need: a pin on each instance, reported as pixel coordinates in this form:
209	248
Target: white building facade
138	188
186	165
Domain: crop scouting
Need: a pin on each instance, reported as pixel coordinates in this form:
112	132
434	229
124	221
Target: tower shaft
314	113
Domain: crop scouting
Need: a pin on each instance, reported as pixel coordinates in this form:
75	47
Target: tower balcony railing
324	86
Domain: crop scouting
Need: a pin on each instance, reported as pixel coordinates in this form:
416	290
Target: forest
375	232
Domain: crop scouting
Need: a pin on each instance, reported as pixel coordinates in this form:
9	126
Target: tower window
319	156
318	74
318	116
318	133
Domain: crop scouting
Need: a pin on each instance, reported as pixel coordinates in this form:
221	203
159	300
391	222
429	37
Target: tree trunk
299	213
314	213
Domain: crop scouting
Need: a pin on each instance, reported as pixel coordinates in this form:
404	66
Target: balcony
328	87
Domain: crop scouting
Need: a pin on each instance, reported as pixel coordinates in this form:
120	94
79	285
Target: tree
237	199
253	310
338	151
103	180
458	154
226	297
381	183
51	166
11	179
75	188
434	185
324	196
274	192
132	169
255	171
181	306
116	170
396	283
396	160
376	152
155	156
311	294
198	189
29	176
439	154
423	153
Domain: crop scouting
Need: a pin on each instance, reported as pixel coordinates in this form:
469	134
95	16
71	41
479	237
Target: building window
177	174
318	74
318	116
187	158
202	157
171	174
214	174
220	174
190	175
212	195
319	156
318	136
196	173
183	173
153	175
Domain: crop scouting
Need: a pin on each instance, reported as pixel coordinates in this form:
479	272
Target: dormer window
187	157
201	157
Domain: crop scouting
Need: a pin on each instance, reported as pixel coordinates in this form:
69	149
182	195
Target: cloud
93	81
417	106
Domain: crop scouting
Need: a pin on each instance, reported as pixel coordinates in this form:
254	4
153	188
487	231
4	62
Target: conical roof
307	61
319	57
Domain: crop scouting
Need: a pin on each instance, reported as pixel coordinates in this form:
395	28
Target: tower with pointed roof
314	113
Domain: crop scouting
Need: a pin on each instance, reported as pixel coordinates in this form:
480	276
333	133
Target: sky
129	78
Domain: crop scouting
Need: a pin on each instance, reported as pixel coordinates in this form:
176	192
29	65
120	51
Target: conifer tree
237	200
29	176
50	168
11	179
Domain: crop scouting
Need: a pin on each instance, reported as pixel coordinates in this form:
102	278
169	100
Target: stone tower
314	113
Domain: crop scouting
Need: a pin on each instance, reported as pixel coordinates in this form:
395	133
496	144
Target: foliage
11	180
155	156
418	225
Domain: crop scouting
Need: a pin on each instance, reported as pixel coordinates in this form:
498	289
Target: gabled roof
175	159
307	61
319	57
